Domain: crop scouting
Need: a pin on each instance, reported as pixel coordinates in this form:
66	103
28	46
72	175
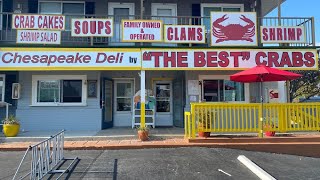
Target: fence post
193	122
260	121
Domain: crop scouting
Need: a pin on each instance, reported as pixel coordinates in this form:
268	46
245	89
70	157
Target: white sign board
193	87
228	59
38	37
273	95
142	31
48	22
92	27
69	59
184	34
233	29
283	34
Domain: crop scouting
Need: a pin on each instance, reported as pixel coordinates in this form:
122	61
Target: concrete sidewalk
303	145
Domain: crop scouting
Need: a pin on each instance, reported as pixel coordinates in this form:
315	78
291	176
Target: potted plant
204	124
11	126
267	128
143	133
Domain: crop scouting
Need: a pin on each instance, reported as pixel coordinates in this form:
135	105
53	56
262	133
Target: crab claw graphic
223	18
245	19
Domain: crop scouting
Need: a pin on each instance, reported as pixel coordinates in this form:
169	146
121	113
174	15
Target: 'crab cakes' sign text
233	29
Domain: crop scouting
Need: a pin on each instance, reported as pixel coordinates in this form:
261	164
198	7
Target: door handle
102	104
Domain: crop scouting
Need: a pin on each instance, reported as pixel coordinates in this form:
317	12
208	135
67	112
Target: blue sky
301	8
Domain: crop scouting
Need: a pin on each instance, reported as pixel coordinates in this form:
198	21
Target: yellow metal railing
232	117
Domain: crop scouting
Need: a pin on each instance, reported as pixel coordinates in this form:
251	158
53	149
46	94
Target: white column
143	98
282	91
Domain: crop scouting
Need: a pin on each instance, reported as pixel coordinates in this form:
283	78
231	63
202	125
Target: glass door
163	93
106	103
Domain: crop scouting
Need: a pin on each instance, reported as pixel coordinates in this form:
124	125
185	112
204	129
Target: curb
262	174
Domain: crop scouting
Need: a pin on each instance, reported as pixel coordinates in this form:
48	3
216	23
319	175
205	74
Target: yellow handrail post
185	125
193	123
260	121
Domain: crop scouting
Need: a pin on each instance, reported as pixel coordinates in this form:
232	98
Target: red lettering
235	56
77	27
61	22
299	33
85	28
224	61
291	34
272	34
259	60
93	27
285	60
199	59
32	22
297	60
9	60
171	59
199	34
273	58
22	22
279	34
170	34
191	34
310	59
156	58
182	59
100	26
108	28
183	34
265	34
176	34
211	59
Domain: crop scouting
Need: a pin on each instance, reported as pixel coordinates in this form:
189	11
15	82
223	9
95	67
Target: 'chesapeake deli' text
61	58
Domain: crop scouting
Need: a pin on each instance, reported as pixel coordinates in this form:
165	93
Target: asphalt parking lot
177	163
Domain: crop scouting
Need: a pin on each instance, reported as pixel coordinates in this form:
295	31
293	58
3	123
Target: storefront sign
184	34
49	22
278	34
273	95
141	31
92	27
38	37
233	29
228	59
70	59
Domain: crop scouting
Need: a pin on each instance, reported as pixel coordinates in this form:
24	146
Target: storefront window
71	91
72	10
222	90
63	90
2	86
233	91
124	96
48	91
1	15
163	94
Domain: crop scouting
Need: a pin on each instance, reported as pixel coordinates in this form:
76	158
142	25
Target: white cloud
318	44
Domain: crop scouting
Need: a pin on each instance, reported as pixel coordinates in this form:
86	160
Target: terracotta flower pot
204	134
270	133
143	135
